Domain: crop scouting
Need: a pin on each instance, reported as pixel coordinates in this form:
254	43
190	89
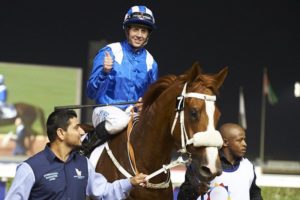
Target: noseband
209	138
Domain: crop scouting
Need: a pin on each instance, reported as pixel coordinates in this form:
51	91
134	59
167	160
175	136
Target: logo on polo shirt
78	174
51	176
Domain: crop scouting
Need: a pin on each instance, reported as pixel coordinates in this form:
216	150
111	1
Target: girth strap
129	145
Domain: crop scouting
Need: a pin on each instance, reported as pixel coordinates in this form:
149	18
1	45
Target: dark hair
58	119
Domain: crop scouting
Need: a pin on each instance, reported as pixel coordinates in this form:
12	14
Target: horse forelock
201	81
209	82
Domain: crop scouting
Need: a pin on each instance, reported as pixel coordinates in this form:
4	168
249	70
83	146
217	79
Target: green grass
274	193
43	86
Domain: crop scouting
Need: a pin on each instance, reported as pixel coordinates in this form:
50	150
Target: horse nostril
207	174
205	171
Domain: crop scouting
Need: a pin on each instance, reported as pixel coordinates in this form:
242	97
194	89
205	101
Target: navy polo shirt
55	179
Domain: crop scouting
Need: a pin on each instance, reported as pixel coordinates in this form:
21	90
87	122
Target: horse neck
152	138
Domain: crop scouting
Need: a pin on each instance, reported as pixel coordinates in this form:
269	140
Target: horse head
197	134
189	103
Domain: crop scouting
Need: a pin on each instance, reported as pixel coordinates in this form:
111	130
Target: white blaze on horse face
212	157
211	137
210	110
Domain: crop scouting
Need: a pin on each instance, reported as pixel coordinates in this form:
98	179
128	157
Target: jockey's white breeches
115	118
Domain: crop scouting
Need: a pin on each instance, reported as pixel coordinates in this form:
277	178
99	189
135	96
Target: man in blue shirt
60	172
123	71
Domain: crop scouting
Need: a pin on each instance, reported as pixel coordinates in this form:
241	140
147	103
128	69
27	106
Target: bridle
209	138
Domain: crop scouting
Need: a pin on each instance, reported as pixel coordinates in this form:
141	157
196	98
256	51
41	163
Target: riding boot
94	139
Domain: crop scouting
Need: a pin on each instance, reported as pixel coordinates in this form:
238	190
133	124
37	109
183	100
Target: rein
165	168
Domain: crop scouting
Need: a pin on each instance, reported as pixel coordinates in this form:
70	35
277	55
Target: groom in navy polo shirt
60	172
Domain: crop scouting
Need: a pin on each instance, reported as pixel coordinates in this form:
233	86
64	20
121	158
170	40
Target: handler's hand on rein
139	179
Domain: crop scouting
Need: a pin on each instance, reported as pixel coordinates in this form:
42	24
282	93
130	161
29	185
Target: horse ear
220	77
194	71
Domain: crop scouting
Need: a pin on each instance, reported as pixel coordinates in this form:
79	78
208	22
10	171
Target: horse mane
195	75
156	89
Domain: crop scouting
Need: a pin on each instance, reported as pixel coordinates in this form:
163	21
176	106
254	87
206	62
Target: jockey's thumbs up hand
108	62
139	179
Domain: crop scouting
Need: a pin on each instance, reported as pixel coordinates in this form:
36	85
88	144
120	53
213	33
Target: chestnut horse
159	131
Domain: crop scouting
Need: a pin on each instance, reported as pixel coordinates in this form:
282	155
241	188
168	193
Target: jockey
123	71
3	91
